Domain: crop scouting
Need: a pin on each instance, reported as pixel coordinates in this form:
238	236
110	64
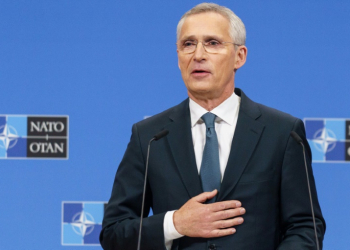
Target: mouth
200	72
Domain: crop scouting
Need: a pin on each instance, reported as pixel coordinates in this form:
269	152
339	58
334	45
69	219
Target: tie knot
209	119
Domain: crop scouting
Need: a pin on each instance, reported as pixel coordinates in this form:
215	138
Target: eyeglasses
212	46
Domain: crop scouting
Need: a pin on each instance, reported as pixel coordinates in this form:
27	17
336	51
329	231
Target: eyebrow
205	38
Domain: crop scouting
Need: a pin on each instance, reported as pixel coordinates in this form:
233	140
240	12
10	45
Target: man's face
208	76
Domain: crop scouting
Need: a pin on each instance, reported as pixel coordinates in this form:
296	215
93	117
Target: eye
188	43
213	43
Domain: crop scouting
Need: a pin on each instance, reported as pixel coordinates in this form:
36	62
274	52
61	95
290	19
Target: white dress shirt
225	125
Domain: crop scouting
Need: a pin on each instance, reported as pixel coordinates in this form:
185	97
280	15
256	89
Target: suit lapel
247	134
181	145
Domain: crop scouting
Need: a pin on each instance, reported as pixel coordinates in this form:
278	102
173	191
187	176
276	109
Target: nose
199	53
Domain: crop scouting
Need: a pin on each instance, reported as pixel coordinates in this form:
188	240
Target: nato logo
82	223
23	137
329	139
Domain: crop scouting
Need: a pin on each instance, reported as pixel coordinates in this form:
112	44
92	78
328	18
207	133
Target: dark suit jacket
265	171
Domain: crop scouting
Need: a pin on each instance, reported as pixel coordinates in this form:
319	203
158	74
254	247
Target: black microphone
297	138
158	136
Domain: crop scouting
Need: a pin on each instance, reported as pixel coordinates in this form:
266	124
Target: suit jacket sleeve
121	221
297	224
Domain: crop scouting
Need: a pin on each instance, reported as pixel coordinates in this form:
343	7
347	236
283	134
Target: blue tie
210	168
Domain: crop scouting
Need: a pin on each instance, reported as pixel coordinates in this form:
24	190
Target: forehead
204	25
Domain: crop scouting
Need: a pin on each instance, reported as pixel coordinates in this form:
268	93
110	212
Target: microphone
158	136
297	138
161	134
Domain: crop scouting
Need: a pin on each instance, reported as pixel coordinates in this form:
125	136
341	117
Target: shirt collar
226	111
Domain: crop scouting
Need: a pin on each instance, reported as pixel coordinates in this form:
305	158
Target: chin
200	90
201	85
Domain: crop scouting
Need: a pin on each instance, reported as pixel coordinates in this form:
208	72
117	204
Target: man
228	175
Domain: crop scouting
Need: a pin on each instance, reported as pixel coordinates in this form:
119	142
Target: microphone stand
300	141
155	138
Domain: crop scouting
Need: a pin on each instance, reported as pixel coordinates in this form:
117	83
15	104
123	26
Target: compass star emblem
8	136
325	140
83	223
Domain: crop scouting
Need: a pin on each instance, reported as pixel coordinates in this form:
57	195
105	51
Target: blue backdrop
108	64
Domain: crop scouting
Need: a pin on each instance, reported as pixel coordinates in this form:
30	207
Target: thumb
205	196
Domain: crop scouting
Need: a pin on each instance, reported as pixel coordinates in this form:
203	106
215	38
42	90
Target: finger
221	232
222	224
229	213
205	196
223	205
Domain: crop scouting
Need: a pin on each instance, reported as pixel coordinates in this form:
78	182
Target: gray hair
237	30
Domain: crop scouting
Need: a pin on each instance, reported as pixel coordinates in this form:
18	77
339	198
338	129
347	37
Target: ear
241	56
178	63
